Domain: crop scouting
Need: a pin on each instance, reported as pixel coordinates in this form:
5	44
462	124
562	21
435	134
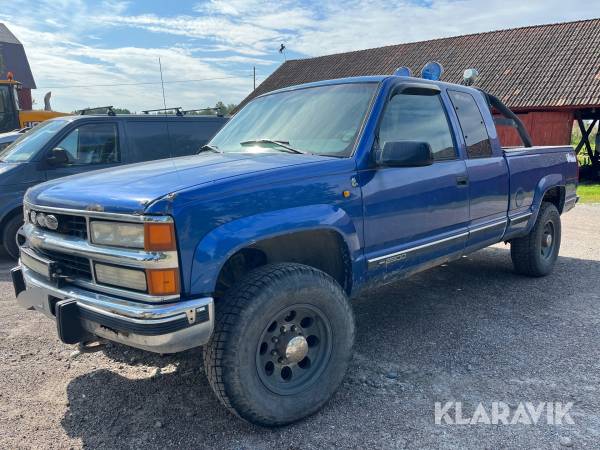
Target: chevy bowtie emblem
51	222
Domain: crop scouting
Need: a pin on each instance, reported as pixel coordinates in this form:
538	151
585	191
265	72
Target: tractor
12	116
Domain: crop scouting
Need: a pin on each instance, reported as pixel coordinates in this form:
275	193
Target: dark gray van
74	144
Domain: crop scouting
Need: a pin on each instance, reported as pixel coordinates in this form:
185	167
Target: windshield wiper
210	148
282	144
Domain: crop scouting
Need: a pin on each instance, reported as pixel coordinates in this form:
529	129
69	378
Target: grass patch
589	193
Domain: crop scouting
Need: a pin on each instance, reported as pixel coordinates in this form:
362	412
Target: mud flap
17	279
68	322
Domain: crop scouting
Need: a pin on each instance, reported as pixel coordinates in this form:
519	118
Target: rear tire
282	344
9	236
534	255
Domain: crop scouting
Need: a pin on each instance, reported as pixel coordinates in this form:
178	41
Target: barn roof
13	58
535	67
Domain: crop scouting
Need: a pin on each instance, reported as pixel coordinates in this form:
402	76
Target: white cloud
218	41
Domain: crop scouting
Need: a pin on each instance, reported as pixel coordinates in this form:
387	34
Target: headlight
117	276
118	234
151	236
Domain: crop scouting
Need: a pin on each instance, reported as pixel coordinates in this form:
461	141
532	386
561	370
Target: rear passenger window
188	136
418	118
148	140
472	125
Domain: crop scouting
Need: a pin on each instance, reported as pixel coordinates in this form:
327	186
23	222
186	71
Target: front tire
282	344
9	236
534	255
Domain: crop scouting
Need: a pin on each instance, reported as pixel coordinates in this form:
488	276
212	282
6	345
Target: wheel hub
547	242
296	349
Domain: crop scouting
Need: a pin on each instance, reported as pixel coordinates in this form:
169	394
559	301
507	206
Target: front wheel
282	343
9	236
535	254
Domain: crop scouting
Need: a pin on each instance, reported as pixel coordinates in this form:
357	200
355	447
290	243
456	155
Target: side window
148	140
188	136
472	125
418	118
96	143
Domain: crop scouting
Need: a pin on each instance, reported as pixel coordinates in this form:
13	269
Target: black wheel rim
548	240
294	349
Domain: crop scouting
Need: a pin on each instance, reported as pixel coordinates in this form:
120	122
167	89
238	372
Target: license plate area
38	264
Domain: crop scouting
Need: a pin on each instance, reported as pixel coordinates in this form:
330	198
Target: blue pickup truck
307	197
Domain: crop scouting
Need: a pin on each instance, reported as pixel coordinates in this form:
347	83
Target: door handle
462	180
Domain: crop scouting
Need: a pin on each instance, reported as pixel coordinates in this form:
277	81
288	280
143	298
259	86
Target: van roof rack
109	110
178	110
216	110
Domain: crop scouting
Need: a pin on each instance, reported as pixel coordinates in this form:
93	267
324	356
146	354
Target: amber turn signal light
159	236
162	281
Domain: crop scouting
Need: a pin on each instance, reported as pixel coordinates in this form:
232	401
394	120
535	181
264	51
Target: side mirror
59	157
405	154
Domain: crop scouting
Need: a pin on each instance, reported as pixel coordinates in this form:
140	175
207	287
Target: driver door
91	146
416	215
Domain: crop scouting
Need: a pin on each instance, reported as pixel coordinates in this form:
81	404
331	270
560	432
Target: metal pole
254	76
162	83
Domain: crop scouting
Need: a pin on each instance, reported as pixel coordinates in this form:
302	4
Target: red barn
548	74
14	60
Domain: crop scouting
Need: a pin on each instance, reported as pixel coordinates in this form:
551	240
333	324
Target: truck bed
532	169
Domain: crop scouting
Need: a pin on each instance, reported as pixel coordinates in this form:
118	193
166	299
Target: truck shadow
441	334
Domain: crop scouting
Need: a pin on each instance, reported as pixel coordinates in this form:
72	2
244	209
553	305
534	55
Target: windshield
324	120
28	144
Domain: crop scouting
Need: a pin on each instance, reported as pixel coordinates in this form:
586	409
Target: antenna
162	83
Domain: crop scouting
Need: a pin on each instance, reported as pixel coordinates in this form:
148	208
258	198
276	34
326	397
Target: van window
94	143
188	136
148	140
29	144
418	118
472	125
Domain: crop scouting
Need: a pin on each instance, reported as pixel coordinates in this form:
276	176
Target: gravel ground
472	331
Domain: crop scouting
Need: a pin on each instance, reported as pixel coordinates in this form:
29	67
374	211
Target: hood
9	137
129	189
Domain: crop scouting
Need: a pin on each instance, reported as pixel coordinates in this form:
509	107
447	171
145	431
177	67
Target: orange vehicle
12	116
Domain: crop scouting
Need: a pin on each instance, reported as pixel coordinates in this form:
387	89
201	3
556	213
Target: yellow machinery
11	115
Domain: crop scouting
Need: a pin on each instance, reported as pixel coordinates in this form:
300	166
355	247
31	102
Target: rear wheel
282	343
535	254
9	236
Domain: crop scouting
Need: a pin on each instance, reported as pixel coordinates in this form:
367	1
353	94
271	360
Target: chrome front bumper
160	328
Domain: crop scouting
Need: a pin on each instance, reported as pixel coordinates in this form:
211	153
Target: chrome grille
69	265
72	225
68	224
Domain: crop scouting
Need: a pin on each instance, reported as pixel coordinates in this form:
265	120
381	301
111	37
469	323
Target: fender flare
221	243
544	185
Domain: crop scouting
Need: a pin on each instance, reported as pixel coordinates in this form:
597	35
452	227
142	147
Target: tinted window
96	143
188	136
148	140
418	118
472	125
